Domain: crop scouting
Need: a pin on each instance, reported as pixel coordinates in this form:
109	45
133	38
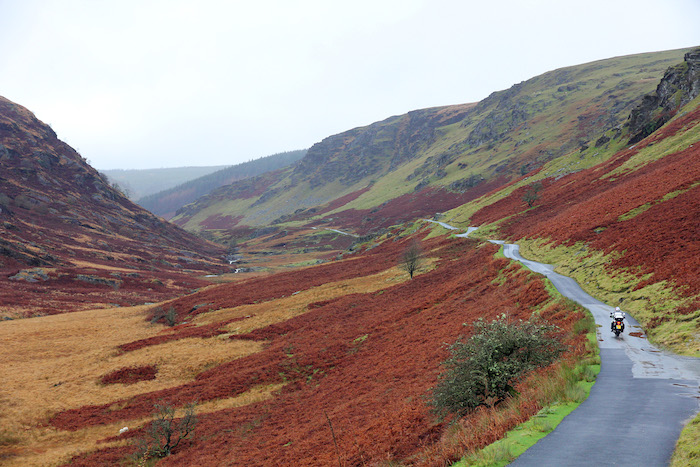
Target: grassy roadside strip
522	437
559	392
687	450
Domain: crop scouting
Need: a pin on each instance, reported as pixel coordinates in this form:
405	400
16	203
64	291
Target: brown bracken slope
69	241
661	241
361	362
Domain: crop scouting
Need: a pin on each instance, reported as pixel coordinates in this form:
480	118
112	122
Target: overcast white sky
168	83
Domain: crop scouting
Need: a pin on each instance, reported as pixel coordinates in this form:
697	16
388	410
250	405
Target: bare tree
164	434
411	258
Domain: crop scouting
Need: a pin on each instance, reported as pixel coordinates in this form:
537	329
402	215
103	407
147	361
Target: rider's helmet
617	308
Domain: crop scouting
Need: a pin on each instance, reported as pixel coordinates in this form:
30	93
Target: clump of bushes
168	317
483	369
130	375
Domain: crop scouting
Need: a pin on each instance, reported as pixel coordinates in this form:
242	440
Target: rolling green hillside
436	159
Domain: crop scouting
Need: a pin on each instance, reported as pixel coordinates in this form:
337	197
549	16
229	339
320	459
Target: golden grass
276	311
46	446
55	363
106	267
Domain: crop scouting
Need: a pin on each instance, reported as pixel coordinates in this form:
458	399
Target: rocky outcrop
680	85
497	115
376	149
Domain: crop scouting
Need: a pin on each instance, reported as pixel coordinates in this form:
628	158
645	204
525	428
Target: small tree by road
411	258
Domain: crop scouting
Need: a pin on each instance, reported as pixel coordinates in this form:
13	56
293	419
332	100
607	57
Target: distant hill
165	203
432	160
69	240
139	183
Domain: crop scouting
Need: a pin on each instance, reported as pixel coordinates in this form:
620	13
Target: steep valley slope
432	160
628	229
69	240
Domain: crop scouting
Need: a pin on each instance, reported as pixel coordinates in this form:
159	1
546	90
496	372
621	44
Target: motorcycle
617	326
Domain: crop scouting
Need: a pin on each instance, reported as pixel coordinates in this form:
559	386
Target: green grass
518	440
687	451
499	253
436	230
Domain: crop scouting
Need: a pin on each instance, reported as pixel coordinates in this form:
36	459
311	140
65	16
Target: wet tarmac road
638	406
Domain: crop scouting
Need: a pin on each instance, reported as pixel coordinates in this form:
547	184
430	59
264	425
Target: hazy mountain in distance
137	183
166	203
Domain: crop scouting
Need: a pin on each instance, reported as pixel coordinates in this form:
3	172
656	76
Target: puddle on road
685	386
694	395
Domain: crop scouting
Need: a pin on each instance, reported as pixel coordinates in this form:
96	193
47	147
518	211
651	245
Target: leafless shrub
164	434
411	258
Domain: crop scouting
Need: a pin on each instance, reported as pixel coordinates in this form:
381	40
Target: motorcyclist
617	315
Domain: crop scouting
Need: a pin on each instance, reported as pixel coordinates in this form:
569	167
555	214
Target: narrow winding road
640	402
638	405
